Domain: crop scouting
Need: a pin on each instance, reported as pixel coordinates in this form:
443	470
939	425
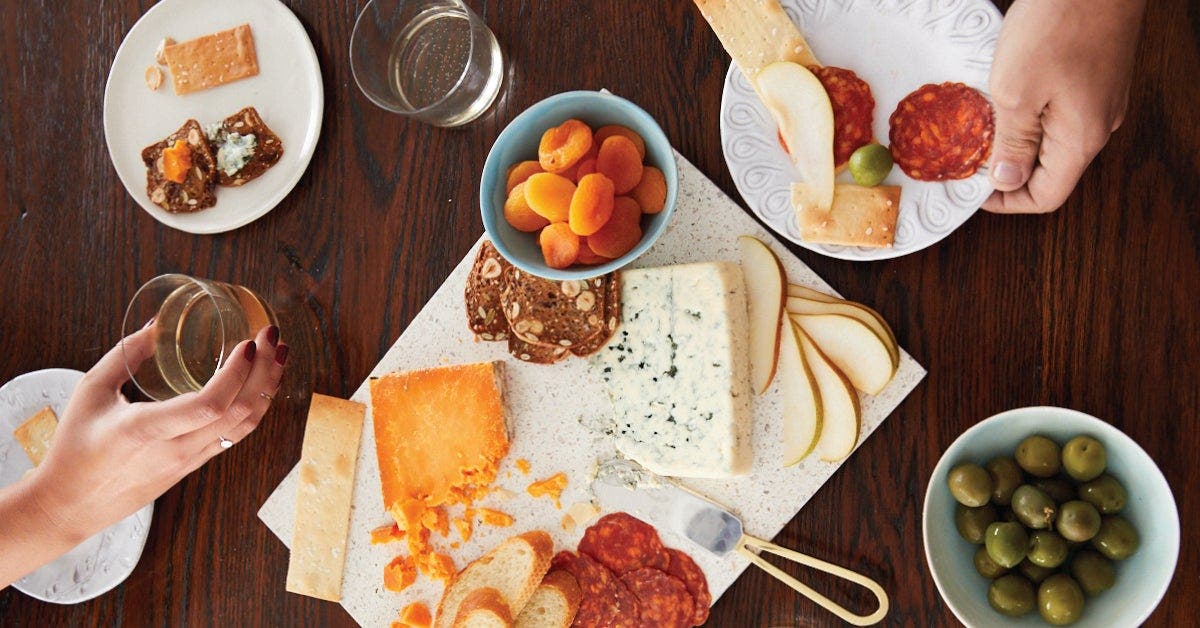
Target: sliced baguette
483	608
514	568
553	604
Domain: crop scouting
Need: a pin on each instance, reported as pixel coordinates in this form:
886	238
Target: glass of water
434	60
197	323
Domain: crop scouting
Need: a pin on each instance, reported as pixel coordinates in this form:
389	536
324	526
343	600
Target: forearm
28	537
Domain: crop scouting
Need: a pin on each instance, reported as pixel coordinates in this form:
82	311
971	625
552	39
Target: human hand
110	457
1060	82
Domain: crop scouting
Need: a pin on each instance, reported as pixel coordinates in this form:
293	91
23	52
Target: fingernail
273	335
281	354
1007	173
150	322
250	351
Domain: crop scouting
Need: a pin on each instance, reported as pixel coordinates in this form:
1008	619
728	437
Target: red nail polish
281	355
251	349
273	335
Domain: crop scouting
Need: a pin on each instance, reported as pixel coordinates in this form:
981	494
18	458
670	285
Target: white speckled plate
549	410
896	46
287	92
99	563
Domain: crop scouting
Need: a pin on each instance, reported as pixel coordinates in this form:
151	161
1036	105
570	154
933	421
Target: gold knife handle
820	565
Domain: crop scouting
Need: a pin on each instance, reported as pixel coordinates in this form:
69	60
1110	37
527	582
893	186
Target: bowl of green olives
1048	516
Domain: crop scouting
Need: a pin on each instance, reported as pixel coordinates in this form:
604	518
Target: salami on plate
663	599
624	543
853	110
942	132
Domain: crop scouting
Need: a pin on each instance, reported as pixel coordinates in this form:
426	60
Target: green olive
987	567
1084	458
1035	573
1094	573
973	522
970	485
1039	456
1105	493
1057	489
1060	600
1078	521
1011	595
870	165
1033	507
1006	477
1117	539
1006	543
1047	549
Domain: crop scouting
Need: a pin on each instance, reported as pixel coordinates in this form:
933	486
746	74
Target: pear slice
765	294
801	399
840	413
800	106
865	315
804	292
852	347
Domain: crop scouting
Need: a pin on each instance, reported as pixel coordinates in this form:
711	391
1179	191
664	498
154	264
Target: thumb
112	370
1015	149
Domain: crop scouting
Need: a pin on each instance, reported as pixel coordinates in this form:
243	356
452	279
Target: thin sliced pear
841	415
801	305
804	292
800	106
852	347
765	294
801	399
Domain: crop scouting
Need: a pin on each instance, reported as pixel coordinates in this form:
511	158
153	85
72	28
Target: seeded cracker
268	148
553	313
612	318
198	190
482	294
212	60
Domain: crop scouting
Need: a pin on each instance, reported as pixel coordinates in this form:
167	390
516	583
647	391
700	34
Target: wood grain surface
1094	307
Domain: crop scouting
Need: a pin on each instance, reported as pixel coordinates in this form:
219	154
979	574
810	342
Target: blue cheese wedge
677	371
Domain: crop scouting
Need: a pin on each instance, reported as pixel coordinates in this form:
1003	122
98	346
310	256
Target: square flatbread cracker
35	434
212	60
859	216
268	148
199	187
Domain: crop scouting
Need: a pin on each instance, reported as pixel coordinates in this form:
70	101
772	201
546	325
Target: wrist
52	510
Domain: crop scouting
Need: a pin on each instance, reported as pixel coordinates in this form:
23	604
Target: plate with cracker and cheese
859	130
212	111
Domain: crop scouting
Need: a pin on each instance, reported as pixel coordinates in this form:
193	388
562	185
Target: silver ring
266	396
225	443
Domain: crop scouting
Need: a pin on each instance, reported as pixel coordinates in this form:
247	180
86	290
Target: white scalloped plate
99	563
896	46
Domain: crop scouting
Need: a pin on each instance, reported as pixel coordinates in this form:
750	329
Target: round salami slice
683	567
942	132
624	543
606	601
663	599
853	110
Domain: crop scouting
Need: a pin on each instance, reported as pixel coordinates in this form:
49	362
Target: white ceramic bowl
1142	580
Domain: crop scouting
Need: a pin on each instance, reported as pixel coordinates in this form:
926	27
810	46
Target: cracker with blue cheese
244	147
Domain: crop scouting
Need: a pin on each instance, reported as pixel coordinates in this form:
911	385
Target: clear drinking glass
434	60
197	322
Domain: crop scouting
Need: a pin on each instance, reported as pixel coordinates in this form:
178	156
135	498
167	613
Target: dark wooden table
1094	307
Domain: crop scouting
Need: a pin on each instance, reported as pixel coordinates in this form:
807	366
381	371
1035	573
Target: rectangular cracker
35	434
756	33
323	496
212	60
860	216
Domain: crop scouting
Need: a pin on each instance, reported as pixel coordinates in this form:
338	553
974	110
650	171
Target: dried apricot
549	196
621	233
586	166
518	213
588	256
564	145
519	173
560	246
592	204
619	160
610	130
651	191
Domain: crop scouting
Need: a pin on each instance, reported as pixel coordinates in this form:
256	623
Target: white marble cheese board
549	411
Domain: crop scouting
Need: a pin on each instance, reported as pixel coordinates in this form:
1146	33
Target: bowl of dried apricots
578	185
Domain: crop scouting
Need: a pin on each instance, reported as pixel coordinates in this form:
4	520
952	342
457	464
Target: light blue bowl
519	142
1142	580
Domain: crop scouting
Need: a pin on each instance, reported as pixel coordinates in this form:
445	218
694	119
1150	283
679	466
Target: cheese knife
626	485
